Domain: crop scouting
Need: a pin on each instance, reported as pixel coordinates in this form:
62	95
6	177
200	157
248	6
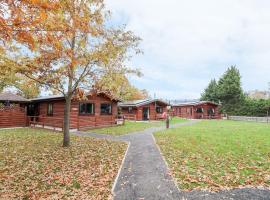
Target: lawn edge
166	163
119	171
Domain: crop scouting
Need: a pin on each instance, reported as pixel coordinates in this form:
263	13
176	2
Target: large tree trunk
66	141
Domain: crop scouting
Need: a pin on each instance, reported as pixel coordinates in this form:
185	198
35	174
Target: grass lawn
33	165
131	126
217	155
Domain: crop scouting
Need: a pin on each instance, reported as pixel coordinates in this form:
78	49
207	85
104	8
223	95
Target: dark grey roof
142	102
8	96
60	97
48	98
194	103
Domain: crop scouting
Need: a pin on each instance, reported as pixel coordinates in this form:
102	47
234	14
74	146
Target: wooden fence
131	117
250	119
96	122
57	124
12	117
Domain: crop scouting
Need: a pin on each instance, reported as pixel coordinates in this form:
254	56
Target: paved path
145	176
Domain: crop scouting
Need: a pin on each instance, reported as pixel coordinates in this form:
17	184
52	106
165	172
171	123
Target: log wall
78	121
12	117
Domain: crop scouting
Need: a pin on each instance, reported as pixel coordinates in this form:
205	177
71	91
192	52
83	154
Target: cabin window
50	109
106	109
199	110
129	109
159	109
87	109
211	111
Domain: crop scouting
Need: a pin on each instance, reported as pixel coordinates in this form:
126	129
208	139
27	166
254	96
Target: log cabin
12	110
197	110
96	110
143	110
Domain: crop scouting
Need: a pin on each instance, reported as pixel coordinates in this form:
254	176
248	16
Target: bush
253	107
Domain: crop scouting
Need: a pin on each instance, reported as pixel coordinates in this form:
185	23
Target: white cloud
188	42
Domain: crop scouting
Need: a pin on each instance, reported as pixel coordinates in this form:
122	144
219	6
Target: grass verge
215	155
131	127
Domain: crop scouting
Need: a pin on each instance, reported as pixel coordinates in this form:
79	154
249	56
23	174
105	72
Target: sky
187	43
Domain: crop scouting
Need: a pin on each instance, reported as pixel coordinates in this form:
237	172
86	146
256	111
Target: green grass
131	127
34	165
215	155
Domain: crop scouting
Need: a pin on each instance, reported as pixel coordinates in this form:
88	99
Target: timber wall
189	111
137	112
78	121
12	117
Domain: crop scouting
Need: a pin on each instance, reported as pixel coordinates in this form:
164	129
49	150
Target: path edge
166	163
119	171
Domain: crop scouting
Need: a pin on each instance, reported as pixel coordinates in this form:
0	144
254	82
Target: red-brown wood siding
12	117
138	111
189	111
77	120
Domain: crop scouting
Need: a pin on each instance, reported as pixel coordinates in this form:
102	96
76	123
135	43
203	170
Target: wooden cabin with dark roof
197	110
96	110
142	110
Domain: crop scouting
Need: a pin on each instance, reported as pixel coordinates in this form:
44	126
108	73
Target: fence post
267	119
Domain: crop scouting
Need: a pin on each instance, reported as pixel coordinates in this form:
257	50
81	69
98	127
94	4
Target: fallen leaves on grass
33	165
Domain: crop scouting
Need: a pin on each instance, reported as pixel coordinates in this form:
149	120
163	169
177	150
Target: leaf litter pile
33	165
218	155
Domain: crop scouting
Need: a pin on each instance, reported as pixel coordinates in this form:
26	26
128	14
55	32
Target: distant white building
256	94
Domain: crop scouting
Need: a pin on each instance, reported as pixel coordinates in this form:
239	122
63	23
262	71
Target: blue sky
188	42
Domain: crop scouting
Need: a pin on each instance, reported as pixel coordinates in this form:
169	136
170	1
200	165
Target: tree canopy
210	93
24	86
64	44
120	87
228	91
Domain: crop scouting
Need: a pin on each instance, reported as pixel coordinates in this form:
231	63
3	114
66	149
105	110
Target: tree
27	88
9	78
119	87
230	91
210	93
64	45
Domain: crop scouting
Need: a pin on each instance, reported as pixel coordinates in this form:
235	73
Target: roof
137	103
8	96
195	103
59	97
52	97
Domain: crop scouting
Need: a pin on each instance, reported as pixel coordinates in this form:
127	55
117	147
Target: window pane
50	109
89	108
105	108
86	108
82	108
159	109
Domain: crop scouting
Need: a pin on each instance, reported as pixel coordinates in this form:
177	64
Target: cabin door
32	110
145	113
